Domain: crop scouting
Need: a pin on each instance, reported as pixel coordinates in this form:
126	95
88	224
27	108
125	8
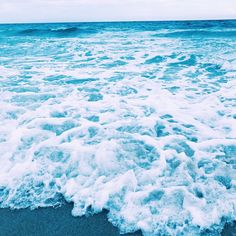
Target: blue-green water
136	118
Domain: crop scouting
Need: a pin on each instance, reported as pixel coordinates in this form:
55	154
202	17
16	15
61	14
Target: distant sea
134	118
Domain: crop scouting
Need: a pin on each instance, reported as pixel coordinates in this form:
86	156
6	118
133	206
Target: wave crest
56	32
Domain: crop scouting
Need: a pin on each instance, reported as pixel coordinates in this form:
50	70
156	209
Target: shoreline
51	221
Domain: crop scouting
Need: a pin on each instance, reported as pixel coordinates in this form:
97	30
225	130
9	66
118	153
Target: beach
59	222
55	222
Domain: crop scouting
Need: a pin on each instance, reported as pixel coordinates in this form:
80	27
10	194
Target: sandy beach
60	222
54	222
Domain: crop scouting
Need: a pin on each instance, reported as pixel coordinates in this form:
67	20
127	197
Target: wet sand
60	222
54	222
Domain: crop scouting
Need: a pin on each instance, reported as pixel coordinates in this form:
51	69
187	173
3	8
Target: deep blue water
136	118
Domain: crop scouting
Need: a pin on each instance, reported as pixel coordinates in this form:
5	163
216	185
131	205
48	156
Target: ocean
135	118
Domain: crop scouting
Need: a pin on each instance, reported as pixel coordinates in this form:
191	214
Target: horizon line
116	21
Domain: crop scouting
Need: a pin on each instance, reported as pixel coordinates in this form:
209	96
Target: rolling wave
56	32
138	119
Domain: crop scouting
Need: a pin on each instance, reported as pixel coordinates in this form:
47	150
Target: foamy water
135	118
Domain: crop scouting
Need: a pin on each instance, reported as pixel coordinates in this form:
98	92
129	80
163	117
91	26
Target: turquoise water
136	118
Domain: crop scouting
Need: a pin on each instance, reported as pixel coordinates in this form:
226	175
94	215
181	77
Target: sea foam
135	118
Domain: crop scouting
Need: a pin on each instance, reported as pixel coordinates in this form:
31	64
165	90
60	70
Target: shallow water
135	118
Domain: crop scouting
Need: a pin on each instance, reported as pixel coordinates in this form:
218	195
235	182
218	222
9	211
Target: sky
16	11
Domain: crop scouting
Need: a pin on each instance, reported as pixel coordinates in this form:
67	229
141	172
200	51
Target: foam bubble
125	120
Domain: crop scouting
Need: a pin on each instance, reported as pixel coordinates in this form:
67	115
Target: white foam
153	143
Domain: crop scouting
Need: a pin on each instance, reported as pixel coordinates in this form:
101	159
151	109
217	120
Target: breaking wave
57	32
122	120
